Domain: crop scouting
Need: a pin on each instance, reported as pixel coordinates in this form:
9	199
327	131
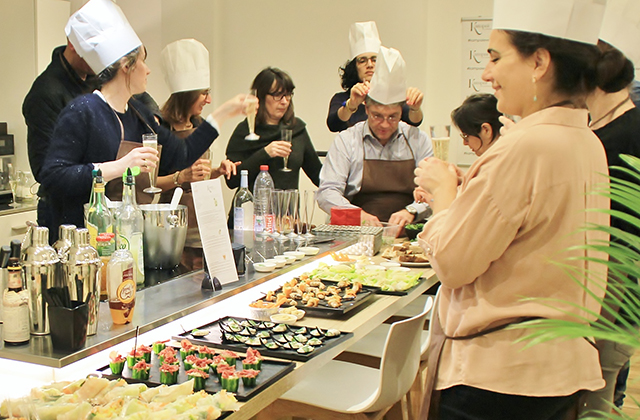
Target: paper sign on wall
212	222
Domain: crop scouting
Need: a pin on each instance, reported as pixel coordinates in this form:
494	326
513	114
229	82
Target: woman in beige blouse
493	242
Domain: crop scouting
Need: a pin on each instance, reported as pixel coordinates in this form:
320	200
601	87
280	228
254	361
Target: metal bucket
165	232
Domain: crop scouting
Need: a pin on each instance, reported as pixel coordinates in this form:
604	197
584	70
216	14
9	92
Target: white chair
372	345
341	390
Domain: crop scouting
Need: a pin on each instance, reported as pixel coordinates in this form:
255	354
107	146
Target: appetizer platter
245	376
319	298
376	278
101	398
407	254
290	342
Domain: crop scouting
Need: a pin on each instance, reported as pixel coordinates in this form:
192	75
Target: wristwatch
412	210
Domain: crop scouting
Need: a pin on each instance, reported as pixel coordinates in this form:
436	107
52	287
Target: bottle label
15	316
238	218
15	278
258	223
269	225
126	292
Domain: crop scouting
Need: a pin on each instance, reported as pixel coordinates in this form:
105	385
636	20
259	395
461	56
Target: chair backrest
424	355
400	360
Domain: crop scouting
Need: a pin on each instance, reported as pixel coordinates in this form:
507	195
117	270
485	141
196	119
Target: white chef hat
364	38
101	34
186	65
576	20
621	27
389	83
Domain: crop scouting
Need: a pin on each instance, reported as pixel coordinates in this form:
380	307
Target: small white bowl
283	318
309	250
297	254
375	267
389	264
278	262
264	267
288	259
299	313
262	314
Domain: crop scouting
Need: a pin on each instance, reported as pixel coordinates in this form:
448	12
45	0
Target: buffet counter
179	305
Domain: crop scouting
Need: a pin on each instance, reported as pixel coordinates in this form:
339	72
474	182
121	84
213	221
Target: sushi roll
187	349
145	351
169	374
206	352
166	352
202	364
171	360
117	363
249	377
222	368
229	356
199	379
158	346
140	370
133	357
189	361
230	380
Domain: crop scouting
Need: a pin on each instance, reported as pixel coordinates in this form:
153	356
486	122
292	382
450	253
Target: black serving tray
323	310
215	339
377	290
271	371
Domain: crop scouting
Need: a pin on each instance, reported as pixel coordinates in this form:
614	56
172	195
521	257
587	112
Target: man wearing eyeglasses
370	165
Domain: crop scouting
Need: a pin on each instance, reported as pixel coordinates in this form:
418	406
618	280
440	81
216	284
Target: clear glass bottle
121	284
243	204
105	249
263	210
99	219
129	225
15	301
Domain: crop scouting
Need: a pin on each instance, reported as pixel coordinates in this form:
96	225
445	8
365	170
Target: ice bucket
165	232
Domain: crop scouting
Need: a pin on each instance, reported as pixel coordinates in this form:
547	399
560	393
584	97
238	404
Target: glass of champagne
250	107
440	135
151	140
208	155
13	183
286	135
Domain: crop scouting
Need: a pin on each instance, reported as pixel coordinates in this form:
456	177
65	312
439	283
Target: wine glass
250	106
151	140
208	154
285	135
293	213
308	219
13	183
440	135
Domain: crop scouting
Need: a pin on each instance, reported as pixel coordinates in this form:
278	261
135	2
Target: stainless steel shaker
66	236
82	274
39	267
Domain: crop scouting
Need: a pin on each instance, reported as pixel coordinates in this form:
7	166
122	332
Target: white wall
307	39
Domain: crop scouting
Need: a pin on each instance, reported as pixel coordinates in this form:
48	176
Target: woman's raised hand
438	178
226	168
144	157
278	148
358	93
232	108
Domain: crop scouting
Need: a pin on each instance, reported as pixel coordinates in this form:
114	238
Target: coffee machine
7	162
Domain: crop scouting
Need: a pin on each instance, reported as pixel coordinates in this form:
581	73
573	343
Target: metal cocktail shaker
82	275
39	266
66	235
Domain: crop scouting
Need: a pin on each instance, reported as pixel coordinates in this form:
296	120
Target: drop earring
535	90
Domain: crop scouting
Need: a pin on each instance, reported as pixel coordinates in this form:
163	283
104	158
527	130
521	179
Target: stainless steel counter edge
5	210
155	306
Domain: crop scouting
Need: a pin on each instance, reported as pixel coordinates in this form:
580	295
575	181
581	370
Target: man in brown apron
371	164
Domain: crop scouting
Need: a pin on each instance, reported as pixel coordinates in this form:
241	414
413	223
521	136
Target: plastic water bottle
262	189
243	205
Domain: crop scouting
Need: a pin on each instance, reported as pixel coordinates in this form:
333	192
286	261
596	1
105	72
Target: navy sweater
88	132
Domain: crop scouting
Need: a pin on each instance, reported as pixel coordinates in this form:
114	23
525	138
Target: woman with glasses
186	68
347	108
478	121
274	89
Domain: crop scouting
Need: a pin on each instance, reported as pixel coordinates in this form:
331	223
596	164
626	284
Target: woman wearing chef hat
516	212
93	130
185	65
347	108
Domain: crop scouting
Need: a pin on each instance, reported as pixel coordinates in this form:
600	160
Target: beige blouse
517	211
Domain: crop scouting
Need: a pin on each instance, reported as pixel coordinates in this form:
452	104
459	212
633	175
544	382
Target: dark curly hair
574	62
476	110
349	74
614	70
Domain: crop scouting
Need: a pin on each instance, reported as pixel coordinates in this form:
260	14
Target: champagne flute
285	135
151	140
250	106
208	154
13	183
308	219
293	213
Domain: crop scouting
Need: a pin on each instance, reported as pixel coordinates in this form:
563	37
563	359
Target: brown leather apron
387	185
113	189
